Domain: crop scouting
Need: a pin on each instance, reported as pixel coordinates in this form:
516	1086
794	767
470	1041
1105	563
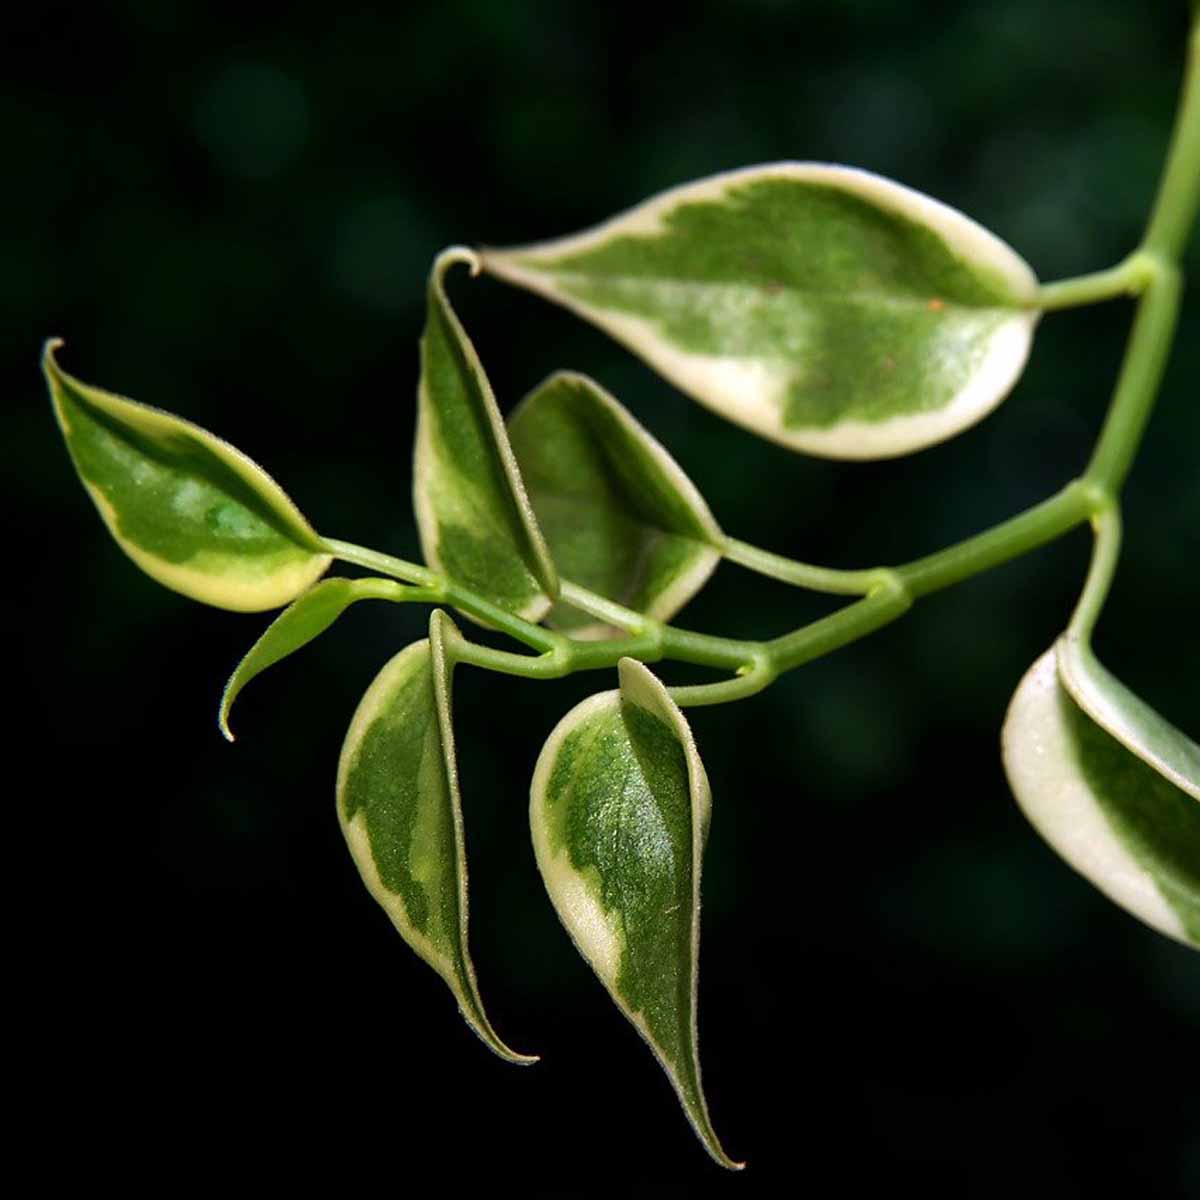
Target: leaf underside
825	308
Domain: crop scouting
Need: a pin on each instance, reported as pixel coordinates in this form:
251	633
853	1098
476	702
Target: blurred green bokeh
229	214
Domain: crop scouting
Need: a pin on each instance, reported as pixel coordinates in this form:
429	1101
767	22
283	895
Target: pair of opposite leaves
823	307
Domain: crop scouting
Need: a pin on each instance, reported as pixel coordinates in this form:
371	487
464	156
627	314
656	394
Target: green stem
1152	273
1126	279
1178	197
1106	526
787	570
1141	374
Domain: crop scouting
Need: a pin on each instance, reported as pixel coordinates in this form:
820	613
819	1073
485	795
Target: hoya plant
830	310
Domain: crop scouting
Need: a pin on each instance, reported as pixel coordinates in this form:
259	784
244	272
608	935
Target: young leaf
620	516
619	812
1127	717
399	808
1117	821
190	510
474	519
307	617
823	307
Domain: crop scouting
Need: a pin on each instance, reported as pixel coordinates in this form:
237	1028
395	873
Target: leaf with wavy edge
193	512
823	307
621	517
1127	717
619	812
399	808
474	519
1115	819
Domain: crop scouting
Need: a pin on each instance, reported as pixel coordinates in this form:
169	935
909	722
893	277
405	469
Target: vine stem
1151	273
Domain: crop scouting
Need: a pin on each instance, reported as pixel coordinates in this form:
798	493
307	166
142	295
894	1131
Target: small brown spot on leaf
937	304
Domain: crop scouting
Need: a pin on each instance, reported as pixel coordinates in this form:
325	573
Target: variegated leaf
1116	820
307	617
474	519
190	510
399	808
823	307
1127	717
620	516
619	812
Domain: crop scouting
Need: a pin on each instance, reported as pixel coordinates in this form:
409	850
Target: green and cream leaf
825	308
399	808
193	512
474	519
1126	716
620	516
307	617
1118	821
619	812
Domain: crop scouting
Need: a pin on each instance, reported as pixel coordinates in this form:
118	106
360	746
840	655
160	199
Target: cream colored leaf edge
688	582
1052	791
580	910
1125	716
374	701
748	391
424	459
253	592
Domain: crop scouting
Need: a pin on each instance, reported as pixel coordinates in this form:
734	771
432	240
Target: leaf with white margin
473	516
619	812
193	512
399	808
1127	717
621	517
823	307
306	618
1116	820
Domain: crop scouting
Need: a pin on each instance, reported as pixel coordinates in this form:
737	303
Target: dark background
230	215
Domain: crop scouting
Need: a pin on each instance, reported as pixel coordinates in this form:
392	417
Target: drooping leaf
823	307
473	516
1127	717
620	516
190	510
619	812
1115	819
399	808
307	617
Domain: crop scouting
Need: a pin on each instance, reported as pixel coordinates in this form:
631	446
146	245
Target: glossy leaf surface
619	813
823	307
620	516
399	808
307	617
1115	819
475	522
194	513
1127	717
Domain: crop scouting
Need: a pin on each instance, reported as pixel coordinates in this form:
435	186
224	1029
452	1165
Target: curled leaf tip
453	255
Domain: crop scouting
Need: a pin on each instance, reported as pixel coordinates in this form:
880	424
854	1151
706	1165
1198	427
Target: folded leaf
307	617
1115	819
823	307
474	519
1127	717
190	510
399	808
619	812
620	516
